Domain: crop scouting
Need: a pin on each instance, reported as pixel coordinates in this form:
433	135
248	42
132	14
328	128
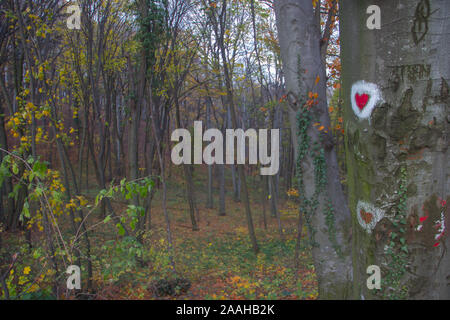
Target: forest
224	149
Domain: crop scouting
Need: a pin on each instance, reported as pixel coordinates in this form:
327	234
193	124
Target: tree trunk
221	173
209	201
397	145
6	188
187	174
273	205
322	200
234	176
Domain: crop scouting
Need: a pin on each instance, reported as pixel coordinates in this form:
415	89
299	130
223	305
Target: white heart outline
377	215
370	89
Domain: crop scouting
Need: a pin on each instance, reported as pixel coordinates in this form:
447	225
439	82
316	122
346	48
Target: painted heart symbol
366	216
365	96
361	100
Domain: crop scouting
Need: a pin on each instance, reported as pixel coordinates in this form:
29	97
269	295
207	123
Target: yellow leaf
317	80
26	270
30	105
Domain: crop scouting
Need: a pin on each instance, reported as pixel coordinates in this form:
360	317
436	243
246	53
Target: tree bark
299	37
221	173
230	103
398	158
210	199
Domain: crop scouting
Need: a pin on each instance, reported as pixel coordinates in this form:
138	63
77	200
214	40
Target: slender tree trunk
157	138
209	201
264	200
221	172
273	205
187	174
6	188
230	103
234	176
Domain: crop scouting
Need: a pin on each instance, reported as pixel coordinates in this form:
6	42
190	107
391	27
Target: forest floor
217	260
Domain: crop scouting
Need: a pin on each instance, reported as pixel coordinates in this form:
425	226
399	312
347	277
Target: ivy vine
308	206
397	248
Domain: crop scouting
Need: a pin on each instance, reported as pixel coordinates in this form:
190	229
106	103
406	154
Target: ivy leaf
15	168
26	210
40	169
100	196
121	229
39	191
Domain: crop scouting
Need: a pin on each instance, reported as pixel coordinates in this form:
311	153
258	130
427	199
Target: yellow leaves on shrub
71	205
83	201
26	270
80	201
292	192
41	71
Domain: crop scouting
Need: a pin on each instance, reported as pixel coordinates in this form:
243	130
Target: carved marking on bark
412	72
420	26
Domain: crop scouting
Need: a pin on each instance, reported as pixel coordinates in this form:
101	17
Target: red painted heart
366	216
361	100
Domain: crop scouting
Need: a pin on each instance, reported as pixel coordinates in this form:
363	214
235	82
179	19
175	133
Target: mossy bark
409	128
299	36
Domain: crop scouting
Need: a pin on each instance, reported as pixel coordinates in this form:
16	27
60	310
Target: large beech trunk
300	38
398	156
